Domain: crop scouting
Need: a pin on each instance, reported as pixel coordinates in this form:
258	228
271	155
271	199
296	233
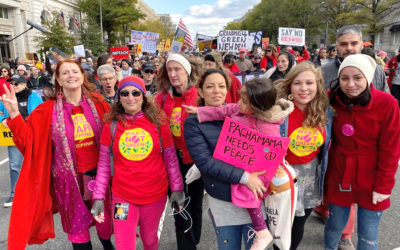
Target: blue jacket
201	139
33	101
323	154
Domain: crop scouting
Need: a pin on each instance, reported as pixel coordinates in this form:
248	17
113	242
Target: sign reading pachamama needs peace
250	150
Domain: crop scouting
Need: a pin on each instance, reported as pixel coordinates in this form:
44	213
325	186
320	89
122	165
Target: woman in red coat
364	154
269	59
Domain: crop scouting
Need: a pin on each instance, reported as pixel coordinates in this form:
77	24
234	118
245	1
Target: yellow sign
5	136
168	45
135	144
139	48
304	141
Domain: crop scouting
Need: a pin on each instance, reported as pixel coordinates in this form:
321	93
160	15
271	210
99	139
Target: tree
234	25
91	37
165	31
115	13
57	37
371	13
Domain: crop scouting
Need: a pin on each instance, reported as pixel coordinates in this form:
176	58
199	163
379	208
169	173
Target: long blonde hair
316	110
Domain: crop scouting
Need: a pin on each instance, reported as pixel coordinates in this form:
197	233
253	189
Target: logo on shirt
304	141
175	122
135	144
83	129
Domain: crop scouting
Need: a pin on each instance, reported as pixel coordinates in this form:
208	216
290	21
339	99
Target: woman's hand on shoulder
190	109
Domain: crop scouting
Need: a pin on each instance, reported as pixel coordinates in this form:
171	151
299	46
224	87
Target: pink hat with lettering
242	49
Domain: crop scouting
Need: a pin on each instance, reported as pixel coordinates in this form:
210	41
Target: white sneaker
9	202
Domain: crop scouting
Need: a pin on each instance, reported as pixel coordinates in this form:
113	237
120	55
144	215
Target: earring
290	97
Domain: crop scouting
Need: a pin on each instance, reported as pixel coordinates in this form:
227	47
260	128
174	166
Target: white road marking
4	161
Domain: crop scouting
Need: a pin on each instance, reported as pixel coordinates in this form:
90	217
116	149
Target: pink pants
147	216
104	230
349	229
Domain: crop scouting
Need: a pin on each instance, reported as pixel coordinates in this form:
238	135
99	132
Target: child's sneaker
262	240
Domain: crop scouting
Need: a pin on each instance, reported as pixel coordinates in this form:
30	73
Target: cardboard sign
292	36
233	40
5	136
119	52
206	44
250	150
265	42
79	51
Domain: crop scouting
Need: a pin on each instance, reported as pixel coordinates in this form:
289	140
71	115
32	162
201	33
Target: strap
160	138
291	193
113	130
163	100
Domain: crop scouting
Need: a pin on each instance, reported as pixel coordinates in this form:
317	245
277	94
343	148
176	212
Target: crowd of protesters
114	138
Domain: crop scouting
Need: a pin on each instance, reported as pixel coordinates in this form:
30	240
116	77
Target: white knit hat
364	63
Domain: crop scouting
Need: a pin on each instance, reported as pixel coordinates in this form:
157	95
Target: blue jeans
367	227
230	237
15	162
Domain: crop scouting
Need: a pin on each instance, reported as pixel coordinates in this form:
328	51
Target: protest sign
119	52
176	46
79	51
205	44
233	40
257	37
136	36
5	136
147	39
292	36
167	45
139	48
265	42
250	150
201	37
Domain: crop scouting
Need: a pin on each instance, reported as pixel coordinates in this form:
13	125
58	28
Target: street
389	235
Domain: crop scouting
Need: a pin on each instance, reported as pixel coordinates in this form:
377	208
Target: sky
205	17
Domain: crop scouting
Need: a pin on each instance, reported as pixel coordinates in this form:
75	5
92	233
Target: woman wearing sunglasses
5	75
269	59
60	145
27	101
145	164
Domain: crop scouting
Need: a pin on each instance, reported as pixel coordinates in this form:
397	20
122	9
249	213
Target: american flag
61	18
188	38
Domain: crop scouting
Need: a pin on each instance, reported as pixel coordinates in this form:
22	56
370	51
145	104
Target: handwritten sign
6	136
244	147
147	39
292	36
233	40
119	52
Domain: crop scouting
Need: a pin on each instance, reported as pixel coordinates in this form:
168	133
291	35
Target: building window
396	37
3	13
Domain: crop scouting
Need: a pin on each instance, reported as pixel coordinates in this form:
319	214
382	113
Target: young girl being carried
259	109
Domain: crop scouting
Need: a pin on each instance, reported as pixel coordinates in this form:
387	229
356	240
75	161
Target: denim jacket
323	154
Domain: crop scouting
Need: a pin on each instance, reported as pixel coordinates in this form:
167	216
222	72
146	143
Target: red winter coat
31	220
392	64
366	161
233	94
265	59
168	104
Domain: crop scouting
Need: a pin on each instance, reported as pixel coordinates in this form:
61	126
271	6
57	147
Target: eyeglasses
333	50
136	60
257	58
125	93
268	50
149	71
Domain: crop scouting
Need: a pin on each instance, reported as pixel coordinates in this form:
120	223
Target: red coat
31	220
189	98
263	63
392	64
233	94
368	159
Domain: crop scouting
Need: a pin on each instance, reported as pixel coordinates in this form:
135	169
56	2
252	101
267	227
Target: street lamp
101	22
326	26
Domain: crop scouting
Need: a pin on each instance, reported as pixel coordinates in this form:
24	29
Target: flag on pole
76	22
61	18
182	31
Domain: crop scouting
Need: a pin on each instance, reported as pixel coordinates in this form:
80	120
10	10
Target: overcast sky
205	17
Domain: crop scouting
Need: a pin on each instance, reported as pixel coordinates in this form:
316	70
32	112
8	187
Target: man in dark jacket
349	42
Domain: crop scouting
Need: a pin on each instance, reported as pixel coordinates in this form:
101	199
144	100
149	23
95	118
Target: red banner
119	52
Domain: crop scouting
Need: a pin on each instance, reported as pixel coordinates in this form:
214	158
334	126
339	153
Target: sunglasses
125	93
4	71
136	60
268	50
15	83
149	71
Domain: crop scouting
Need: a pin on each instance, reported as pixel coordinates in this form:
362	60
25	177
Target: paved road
389	235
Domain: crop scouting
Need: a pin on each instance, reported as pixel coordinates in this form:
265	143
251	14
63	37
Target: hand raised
10	101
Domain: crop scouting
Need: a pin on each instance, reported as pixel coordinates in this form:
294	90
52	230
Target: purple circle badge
91	185
348	130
